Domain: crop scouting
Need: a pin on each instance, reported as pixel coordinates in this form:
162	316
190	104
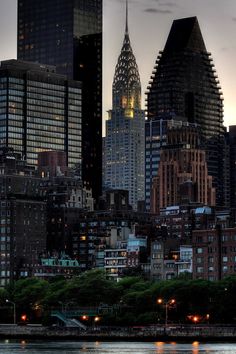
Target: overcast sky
149	25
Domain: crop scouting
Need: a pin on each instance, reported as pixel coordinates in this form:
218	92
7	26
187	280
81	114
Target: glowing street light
167	304
14	309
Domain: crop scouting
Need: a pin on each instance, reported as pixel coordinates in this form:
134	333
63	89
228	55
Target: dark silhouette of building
52	164
41	110
102	229
66	200
23	218
184	86
232	147
68	34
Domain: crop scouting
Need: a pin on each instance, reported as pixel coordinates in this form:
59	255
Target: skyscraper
183	173
184	85
68	34
40	111
124	142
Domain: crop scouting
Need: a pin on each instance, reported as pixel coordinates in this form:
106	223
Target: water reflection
54	347
195	346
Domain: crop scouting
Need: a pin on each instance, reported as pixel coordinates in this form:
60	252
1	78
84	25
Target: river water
72	347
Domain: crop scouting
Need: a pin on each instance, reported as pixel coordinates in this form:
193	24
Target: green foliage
29	291
134	297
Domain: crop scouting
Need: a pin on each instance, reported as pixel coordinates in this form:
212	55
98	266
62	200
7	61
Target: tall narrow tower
68	34
185	87
124	142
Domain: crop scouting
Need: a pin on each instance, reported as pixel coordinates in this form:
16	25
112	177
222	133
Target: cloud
234	19
157	11
168	4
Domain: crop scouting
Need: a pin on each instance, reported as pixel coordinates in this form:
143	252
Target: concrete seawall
183	333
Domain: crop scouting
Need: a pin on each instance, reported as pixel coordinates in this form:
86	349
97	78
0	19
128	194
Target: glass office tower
68	34
40	111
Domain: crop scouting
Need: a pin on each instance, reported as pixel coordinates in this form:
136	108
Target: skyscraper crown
185	34
126	83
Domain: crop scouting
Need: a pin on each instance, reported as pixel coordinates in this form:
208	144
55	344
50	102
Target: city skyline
156	16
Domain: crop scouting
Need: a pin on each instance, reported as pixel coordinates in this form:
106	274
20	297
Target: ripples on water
37	347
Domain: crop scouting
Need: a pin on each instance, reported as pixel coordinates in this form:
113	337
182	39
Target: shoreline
146	334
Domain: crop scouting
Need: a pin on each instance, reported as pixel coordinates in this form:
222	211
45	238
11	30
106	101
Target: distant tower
124	142
184	87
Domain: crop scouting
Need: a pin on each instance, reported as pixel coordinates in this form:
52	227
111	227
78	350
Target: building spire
126	23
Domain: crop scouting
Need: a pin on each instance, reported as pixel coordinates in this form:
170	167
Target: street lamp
166	304
14	309
62	305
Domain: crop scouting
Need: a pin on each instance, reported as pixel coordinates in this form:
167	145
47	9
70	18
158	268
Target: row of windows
36	117
15	98
34	140
46	127
15	80
45	85
13	92
74	149
13	129
41	91
46	97
45	107
37	134
46	103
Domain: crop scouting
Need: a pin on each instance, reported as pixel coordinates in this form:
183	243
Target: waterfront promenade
179	332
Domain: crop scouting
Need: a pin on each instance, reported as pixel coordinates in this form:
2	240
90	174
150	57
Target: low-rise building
214	253
115	260
185	262
54	266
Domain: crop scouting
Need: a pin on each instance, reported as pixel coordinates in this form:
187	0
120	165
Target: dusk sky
149	25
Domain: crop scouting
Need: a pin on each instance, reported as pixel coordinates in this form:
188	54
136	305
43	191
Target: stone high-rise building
124	142
183	174
185	87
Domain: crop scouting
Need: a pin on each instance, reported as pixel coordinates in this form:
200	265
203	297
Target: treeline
133	299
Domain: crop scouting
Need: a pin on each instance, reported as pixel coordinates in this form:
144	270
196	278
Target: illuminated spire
126	83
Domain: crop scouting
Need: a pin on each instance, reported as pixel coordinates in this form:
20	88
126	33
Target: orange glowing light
23	317
195	344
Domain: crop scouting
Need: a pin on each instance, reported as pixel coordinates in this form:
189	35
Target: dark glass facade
184	84
155	138
68	34
39	111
